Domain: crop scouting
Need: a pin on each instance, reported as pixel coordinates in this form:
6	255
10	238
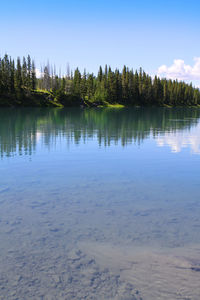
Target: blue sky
88	33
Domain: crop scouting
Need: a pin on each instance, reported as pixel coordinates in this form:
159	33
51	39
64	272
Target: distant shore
19	86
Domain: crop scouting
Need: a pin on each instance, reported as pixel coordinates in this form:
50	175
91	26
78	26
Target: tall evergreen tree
29	72
18	76
33	77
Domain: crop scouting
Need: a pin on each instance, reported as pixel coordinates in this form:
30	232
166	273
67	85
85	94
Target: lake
100	203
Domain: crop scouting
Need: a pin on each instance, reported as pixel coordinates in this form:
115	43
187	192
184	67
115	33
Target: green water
100	203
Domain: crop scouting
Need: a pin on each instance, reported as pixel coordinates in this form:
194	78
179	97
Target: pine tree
83	85
33	76
77	83
29	71
124	85
90	86
18	76
47	78
100	74
24	73
12	76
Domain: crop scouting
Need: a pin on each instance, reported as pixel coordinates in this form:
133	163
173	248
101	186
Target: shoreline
47	99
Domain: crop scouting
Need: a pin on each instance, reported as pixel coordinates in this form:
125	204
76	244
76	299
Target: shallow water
100	203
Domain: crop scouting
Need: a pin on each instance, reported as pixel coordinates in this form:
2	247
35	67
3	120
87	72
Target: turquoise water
100	203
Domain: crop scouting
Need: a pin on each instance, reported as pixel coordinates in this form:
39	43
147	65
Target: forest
19	86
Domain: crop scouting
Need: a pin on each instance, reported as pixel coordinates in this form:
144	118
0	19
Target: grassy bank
43	98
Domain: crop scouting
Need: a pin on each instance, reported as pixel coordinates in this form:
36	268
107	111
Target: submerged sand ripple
172	274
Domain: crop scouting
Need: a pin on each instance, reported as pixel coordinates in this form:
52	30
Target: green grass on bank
116	105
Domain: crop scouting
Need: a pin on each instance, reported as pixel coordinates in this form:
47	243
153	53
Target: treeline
16	77
18	80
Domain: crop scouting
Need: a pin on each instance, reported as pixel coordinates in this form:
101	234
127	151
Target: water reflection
22	129
181	139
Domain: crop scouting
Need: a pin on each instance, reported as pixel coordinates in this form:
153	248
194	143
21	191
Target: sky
160	36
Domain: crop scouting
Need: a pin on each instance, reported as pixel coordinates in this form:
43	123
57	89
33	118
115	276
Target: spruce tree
24	73
18	76
33	77
29	71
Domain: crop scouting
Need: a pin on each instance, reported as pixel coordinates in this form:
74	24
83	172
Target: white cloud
38	73
179	70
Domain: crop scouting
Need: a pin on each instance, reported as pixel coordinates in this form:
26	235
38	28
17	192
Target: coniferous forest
19	86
